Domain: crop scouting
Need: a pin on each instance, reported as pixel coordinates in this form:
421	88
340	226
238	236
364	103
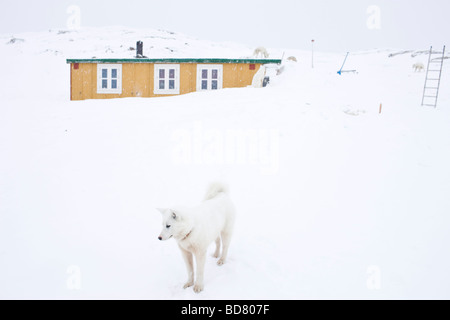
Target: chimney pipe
139	49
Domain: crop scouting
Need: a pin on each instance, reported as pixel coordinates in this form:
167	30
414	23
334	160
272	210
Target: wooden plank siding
138	79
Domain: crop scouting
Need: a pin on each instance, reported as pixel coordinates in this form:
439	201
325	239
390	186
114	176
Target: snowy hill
119	42
334	199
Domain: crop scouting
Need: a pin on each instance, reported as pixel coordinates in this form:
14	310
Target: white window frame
209	79
109	79
166	79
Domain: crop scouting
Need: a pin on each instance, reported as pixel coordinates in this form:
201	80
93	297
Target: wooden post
381	107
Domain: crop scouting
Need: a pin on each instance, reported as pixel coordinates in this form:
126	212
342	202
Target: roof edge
176	60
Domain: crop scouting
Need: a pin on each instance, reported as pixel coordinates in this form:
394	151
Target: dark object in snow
15	40
266	81
401	52
140	50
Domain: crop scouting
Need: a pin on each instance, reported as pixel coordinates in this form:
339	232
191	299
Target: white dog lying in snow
196	228
418	66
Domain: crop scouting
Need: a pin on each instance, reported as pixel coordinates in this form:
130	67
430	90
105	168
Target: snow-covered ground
334	199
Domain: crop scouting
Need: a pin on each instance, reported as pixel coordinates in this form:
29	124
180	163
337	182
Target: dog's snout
159	238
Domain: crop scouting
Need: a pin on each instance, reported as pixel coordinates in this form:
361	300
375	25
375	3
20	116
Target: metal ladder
433	78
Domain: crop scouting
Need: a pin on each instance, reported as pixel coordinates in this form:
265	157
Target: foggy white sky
335	25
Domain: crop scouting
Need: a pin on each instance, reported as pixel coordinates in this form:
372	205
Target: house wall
138	79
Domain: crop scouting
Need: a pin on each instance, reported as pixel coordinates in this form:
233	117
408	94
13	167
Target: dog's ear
161	210
174	215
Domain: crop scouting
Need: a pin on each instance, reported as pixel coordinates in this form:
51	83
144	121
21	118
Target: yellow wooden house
143	77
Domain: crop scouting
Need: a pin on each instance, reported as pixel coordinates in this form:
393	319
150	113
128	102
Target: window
209	77
167	79
109	78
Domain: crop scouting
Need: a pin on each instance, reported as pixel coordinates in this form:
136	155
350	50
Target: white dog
196	228
260	52
418	66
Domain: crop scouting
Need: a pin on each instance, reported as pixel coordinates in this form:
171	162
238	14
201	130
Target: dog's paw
188	284
220	262
216	254
198	288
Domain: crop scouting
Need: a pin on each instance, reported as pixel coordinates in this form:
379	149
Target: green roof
175	60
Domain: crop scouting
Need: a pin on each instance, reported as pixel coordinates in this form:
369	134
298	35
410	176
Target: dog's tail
214	189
